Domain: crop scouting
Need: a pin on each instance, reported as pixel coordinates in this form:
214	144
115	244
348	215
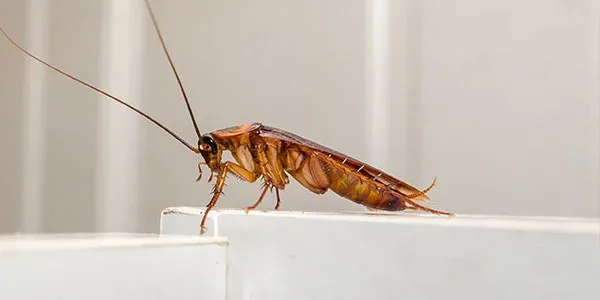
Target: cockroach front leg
218	189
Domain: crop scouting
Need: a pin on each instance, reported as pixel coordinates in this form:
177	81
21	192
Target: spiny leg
260	198
272	171
278	200
218	189
416	206
267	186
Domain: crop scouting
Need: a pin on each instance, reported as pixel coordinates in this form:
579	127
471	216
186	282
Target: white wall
499	99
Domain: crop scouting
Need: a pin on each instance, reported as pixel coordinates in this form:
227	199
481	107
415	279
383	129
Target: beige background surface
499	99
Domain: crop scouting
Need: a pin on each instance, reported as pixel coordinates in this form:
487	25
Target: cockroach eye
208	144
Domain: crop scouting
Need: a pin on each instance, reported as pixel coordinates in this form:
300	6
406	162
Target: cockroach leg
416	206
241	172
218	190
216	193
260	198
278	199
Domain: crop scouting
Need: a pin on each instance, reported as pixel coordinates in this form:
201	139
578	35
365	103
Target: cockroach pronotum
269	153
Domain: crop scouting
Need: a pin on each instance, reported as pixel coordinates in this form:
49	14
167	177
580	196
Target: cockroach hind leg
416	206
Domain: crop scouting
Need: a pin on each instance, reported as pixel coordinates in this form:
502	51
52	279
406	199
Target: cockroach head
206	143
211	151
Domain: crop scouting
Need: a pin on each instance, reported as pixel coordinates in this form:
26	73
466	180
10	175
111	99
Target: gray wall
499	99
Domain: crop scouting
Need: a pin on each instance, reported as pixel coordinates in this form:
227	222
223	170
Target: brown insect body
271	154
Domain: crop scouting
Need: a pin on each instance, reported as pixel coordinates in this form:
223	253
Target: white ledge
105	266
307	255
535	223
87	241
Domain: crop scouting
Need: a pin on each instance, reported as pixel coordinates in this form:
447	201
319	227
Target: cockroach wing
368	171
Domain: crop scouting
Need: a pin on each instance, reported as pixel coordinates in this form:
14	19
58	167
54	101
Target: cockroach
271	154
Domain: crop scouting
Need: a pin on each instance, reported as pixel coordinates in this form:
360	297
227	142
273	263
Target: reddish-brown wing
366	170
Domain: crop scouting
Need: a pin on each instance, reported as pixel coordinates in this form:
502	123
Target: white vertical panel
34	116
596	104
413	92
399	83
507	93
117	196
378	77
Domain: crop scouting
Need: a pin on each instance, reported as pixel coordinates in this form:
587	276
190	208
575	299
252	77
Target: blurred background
499	98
